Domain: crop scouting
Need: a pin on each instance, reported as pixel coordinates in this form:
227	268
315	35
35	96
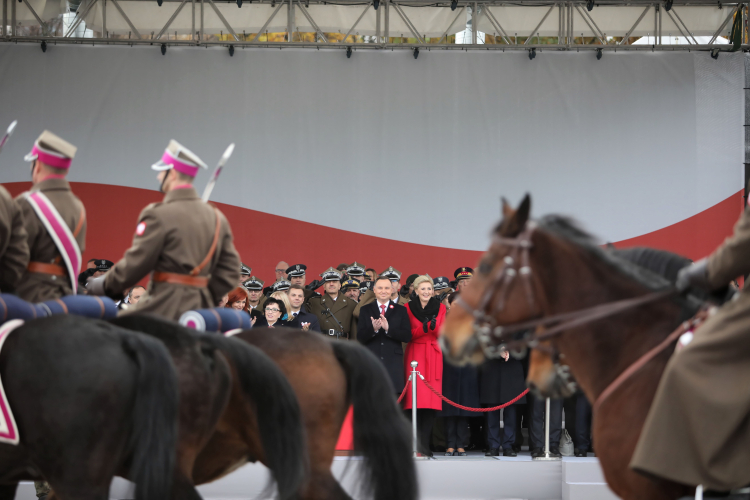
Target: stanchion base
546	459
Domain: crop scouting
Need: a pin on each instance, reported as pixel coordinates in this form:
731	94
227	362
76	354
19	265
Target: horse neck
598	352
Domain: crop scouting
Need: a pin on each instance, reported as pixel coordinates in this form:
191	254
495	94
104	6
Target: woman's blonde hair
425	278
282	296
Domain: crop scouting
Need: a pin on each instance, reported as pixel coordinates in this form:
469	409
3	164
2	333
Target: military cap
331	274
103	264
355	269
180	158
52	150
463	273
244	270
366	285
441	283
350	285
411	279
296	271
253	284
281	286
392	274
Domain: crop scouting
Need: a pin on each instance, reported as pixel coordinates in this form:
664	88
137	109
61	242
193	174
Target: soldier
366	296
441	285
14	246
187	244
281	286
245	273
297	276
255	297
463	276
395	276
356	272
351	289
333	309
55	223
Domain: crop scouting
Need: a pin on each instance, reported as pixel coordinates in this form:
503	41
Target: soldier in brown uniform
333	309
14	247
186	244
297	276
698	428
52	271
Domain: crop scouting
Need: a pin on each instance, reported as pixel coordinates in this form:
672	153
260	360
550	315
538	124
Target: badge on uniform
140	229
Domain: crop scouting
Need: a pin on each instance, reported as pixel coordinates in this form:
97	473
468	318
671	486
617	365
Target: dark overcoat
460	385
386	346
501	381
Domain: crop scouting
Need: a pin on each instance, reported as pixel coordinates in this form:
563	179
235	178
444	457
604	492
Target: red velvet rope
478	410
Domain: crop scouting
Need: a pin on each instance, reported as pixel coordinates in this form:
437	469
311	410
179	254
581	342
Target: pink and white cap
180	158
52	150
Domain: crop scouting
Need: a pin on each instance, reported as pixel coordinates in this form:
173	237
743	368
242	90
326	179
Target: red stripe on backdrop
264	239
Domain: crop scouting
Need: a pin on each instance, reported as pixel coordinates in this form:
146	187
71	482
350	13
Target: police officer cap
331	274
253	284
392	274
441	283
367	285
355	270
296	271
244	270
463	273
281	286
103	264
350	284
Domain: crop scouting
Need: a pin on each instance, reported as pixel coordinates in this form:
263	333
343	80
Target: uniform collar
181	195
51	184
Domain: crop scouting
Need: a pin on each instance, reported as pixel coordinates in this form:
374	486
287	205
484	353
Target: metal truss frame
567	12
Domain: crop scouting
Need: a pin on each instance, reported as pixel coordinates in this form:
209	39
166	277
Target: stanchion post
547	455
414	406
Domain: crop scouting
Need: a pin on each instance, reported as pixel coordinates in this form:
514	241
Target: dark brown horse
91	401
228	388
557	268
328	376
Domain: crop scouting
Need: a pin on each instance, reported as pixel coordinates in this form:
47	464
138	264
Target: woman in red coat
426	315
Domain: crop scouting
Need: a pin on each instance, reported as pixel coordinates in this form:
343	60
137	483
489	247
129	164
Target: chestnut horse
550	276
328	376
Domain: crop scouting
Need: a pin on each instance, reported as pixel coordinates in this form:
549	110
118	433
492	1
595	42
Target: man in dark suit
298	313
383	325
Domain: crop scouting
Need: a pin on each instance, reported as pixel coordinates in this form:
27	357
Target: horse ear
523	212
507	210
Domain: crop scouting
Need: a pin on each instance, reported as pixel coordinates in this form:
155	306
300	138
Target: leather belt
180	279
42	267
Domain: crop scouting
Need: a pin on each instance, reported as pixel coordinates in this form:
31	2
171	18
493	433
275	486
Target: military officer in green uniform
333	309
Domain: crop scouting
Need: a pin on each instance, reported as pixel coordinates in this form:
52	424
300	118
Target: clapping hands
379	323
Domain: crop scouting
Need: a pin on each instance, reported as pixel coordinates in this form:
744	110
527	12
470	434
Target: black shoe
462	453
516	448
555	452
580	453
510	452
537	452
493	452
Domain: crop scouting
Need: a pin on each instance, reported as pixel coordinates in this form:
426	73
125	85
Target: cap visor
30	157
160	165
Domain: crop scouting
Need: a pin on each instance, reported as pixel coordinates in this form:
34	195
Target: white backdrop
629	144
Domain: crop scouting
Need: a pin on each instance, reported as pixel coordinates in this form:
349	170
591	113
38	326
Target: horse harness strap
192	279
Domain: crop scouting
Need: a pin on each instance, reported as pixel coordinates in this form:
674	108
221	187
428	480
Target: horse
549	285
328	376
228	388
90	401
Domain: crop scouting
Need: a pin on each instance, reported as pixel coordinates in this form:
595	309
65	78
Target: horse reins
493	338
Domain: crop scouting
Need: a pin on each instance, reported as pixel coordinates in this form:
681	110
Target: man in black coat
501	380
383	325
298	315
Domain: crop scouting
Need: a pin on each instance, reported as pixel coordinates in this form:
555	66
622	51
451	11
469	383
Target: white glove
95	286
696	274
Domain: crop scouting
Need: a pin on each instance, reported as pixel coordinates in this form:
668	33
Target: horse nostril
531	386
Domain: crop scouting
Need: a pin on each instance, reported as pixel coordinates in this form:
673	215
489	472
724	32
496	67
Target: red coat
425	350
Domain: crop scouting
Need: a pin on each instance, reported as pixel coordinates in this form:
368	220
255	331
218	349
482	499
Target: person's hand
95	286
505	355
375	324
305	326
696	274
253	320
383	323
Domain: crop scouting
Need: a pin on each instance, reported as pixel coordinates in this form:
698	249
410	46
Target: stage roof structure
378	24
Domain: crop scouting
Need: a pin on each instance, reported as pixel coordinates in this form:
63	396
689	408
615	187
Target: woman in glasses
274	310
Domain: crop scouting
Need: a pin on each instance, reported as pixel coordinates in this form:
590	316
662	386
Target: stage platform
473	477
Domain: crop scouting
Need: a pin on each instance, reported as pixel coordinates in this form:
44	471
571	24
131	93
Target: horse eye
485	268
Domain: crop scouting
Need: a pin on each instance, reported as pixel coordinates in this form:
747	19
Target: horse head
549	377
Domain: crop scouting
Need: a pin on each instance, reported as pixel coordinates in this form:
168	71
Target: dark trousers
536	430
582	437
509	431
456	432
425	421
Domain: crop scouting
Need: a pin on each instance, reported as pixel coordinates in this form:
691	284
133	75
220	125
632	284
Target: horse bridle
495	339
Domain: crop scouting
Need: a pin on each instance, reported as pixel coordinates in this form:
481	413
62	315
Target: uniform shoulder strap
197	269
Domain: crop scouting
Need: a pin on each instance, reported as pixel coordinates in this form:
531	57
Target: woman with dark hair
274	310
426	316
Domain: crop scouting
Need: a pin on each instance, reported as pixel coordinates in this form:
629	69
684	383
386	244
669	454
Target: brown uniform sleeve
226	272
31	222
140	259
732	258
15	257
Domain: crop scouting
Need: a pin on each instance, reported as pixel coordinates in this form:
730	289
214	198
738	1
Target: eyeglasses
273	310
281	270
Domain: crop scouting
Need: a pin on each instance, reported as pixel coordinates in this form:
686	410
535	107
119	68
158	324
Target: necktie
382	310
294	315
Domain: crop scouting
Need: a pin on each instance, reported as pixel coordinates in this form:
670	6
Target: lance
217	172
8	134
